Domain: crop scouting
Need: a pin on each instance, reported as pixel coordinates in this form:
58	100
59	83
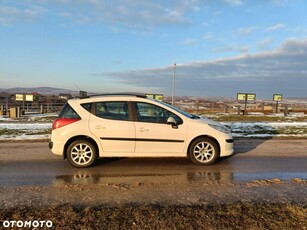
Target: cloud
208	36
189	42
247	30
264	43
234	2
128	13
9	14
228	49
275	27
283	70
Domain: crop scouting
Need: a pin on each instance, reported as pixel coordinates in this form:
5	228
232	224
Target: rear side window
68	112
115	110
87	106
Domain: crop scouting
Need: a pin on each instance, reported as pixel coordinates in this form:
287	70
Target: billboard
24	97
277	97
29	97
82	93
158	97
246	96
18	97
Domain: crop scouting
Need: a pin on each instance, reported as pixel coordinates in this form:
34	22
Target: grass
255	118
17	132
222	216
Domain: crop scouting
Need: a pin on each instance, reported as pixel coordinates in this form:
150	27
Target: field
262	126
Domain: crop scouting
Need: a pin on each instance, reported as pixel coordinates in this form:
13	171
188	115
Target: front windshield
178	110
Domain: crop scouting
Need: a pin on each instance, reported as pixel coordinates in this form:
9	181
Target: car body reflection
190	176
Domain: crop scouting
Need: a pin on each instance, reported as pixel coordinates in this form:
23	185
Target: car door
153	134
112	124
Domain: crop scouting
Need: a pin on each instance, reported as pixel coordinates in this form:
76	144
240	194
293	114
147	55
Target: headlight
220	128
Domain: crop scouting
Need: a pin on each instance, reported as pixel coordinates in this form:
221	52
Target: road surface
32	164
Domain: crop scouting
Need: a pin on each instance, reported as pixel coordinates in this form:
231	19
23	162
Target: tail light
60	122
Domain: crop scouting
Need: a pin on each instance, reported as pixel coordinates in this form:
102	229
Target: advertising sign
24	97
82	94
18	97
246	96
158	97
29	97
277	97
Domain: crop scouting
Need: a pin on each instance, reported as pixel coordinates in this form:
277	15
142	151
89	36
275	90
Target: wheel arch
79	137
203	136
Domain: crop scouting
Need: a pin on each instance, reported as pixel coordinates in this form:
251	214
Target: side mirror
171	121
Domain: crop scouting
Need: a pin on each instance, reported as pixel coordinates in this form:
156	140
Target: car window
151	113
87	106
112	110
68	112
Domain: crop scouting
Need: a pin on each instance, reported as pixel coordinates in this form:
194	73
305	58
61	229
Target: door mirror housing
171	121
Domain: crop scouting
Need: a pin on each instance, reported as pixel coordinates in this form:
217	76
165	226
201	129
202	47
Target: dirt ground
259	204
168	203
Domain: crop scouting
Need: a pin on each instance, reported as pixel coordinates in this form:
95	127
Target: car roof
109	96
142	95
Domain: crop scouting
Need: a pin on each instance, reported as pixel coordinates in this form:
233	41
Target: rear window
68	112
115	110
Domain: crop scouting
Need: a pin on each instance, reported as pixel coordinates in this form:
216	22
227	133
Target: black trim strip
229	140
140	139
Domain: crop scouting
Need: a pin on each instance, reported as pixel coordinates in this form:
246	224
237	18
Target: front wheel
81	153
204	151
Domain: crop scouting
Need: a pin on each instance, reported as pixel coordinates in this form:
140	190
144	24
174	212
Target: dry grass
224	216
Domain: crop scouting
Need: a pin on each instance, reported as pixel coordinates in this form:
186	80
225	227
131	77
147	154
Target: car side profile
132	125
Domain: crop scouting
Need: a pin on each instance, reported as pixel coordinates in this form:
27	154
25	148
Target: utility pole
174	78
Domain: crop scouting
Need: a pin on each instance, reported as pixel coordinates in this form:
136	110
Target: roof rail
142	95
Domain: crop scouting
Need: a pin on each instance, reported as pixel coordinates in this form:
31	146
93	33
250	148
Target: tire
204	151
81	153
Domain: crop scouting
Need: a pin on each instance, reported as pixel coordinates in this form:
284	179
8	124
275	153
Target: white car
131	125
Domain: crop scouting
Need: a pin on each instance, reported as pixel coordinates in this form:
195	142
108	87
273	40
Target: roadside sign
29	97
158	97
18	97
24	97
246	96
82	93
277	97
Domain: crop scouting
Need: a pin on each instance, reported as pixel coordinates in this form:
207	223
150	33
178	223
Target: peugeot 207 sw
131	125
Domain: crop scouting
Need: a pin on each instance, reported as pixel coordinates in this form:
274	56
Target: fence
31	109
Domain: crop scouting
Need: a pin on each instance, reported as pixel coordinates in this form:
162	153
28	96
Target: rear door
111	123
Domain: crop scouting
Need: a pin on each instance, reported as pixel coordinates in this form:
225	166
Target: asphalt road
34	164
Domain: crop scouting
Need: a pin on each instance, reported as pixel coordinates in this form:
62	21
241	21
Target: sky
220	47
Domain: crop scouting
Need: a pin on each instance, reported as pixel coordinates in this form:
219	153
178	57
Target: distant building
65	96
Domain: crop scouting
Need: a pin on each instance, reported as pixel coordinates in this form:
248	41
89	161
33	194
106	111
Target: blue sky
220	47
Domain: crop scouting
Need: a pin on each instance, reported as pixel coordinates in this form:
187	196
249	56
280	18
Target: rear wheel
204	151
81	153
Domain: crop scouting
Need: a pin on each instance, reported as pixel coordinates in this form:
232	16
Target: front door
153	135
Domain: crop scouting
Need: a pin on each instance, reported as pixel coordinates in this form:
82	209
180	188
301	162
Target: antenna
77	87
82	93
